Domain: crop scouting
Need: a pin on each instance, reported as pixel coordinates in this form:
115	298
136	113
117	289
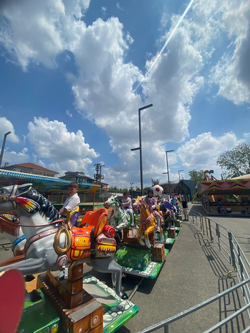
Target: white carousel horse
121	218
51	245
11	229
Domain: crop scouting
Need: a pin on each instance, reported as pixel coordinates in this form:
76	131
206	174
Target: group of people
73	201
152	203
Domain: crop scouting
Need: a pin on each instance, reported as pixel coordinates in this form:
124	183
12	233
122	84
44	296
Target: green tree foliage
197	176
235	162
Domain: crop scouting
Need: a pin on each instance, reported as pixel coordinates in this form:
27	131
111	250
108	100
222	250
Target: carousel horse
122	219
52	244
10	227
146	222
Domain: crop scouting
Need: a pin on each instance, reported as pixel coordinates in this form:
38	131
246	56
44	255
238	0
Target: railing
167	322
229	247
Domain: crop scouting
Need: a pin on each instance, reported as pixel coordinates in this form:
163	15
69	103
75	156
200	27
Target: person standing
72	202
152	204
185	209
127	205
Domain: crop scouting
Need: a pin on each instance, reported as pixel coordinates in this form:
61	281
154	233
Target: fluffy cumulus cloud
104	85
204	150
67	150
7	126
232	72
13	157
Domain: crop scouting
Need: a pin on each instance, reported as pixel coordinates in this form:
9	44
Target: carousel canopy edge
229	185
42	183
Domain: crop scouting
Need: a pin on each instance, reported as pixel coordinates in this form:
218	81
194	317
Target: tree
197	176
236	161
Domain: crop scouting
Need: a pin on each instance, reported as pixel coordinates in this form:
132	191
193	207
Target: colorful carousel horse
147	222
52	244
10	226
121	218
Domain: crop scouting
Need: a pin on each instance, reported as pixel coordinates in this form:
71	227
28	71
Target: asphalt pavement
194	271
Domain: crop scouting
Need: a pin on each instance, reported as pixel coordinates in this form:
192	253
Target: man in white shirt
72	202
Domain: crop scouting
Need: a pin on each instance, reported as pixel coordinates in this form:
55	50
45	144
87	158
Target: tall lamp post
131	189
4	140
140	147
179	174
168	151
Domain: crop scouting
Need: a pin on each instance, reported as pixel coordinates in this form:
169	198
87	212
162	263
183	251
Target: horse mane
46	206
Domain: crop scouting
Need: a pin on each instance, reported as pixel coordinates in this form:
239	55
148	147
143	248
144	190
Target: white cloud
38	31
104	11
204	150
103	87
7	126
232	72
68	151
119	6
13	157
69	113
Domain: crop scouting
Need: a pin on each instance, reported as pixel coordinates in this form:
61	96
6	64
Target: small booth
233	193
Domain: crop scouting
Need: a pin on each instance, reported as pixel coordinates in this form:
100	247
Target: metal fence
231	250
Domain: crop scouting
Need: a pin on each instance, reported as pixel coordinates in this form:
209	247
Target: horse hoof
124	296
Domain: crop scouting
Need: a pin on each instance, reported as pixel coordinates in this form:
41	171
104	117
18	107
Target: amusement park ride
65	300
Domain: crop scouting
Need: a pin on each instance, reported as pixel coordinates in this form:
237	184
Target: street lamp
168	151
131	189
4	140
179	174
140	147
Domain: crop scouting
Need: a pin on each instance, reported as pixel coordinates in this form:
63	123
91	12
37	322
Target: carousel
63	298
50	253
144	249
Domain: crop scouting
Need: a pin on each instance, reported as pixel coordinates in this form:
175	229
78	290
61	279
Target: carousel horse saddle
90	236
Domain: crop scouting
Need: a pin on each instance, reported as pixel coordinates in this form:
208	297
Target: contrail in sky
164	46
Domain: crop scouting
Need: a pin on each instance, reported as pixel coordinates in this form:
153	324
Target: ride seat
97	218
74	215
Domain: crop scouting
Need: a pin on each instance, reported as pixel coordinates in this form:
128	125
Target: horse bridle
12	197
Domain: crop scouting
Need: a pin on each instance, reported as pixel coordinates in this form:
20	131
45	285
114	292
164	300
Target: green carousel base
39	315
117	311
152	270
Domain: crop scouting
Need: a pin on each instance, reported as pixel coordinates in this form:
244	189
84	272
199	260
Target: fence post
210	231
166	330
218	234
203	228
206	226
241	269
230	238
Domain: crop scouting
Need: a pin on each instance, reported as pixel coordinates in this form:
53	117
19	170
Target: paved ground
238	224
194	271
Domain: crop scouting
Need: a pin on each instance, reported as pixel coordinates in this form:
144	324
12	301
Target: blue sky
69	72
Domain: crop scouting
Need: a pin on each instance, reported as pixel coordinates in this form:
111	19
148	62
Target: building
30	168
169	188
186	188
78	176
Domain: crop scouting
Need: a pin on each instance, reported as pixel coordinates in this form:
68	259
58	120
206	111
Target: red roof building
31	168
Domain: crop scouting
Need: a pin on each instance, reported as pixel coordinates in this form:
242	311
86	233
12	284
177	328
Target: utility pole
98	176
